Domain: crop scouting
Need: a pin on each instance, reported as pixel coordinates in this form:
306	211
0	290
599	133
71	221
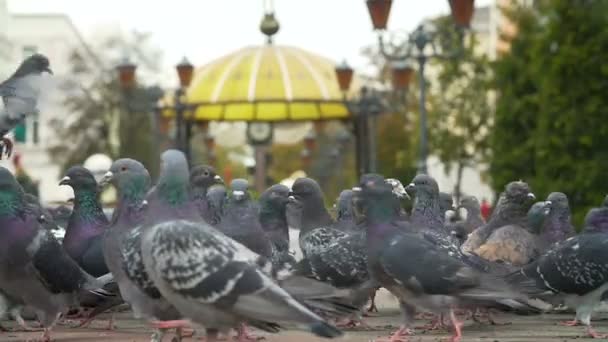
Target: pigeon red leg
401	335
244	335
181	323
457	327
594	334
572	323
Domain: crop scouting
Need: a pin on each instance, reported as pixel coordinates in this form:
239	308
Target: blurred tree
460	112
101	118
551	124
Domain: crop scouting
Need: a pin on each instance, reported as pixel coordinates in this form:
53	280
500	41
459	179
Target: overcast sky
203	30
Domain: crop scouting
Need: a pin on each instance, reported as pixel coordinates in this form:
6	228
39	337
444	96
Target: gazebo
262	85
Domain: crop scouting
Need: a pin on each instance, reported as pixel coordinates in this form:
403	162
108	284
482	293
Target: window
35	135
29	50
20	132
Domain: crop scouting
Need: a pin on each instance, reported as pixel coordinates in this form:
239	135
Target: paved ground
541	328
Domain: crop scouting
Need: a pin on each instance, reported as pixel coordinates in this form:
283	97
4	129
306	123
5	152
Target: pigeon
20	94
122	247
446	203
512	208
596	219
474	218
35	270
240	219
273	218
558	226
346	217
575	271
216	198
210	278
426	212
418	272
202	177
87	224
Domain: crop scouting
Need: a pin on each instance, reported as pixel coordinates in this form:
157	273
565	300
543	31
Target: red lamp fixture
379	11
344	73
185	71
462	12
126	73
401	75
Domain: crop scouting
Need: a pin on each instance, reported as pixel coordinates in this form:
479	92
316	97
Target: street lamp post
364	109
416	47
183	127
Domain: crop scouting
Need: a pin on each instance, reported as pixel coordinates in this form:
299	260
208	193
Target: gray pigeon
418	272
446	203
240	219
596	219
512	209
273	218
346	217
558	226
34	270
216	199
122	246
474	218
20	94
426	212
202	177
574	271
210	278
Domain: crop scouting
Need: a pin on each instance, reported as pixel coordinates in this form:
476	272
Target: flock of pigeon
191	249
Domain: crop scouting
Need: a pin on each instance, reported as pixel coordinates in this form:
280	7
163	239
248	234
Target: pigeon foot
436	324
372	307
401	335
457	327
572	323
594	334
181	323
6	147
244	335
46	336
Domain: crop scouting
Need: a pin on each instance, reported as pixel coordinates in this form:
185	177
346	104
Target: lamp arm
393	56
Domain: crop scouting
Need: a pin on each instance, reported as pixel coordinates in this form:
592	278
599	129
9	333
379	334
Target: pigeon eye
124	168
206	173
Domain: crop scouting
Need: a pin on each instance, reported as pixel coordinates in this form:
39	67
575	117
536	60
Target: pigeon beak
357	189
531	196
292	199
218	178
106	179
65	181
238	195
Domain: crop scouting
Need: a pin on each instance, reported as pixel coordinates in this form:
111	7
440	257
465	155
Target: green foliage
101	118
460	114
551	123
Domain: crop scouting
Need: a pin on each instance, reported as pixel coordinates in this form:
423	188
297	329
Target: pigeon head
277	196
537	215
34	64
306	205
559	203
378	200
130	177
446	202
239	190
79	178
518	192
424	185
306	188
173	165
373	184
469	203
204	176
345	203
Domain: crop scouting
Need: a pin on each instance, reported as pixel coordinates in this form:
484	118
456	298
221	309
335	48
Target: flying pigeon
240	219
596	219
558	225
418	272
34	269
20	94
576	271
122	247
202	177
209	277
512	208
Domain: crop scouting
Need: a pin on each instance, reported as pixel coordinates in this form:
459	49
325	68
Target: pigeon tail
95	285
323	329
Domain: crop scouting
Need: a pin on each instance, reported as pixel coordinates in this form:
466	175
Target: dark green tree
551	112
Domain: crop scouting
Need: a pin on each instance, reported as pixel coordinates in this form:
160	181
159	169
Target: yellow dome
266	83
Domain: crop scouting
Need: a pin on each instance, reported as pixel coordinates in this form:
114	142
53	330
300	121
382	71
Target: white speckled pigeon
34	270
576	271
209	277
513	243
122	247
20	94
418	272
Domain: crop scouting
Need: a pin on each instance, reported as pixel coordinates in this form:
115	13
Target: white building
55	36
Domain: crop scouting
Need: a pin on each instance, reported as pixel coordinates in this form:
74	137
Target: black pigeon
35	270
512	245
418	272
210	278
202	177
575	271
240	219
122	247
